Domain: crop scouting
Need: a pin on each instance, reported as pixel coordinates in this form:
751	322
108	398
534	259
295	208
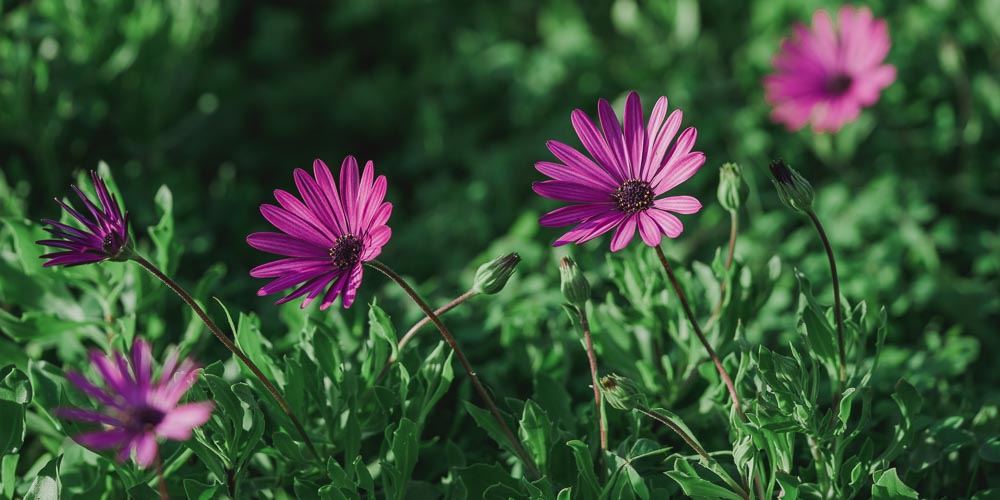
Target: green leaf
162	234
381	326
486	421
990	450
789	486
536	433
845	406
11	427
47	484
888	486
696	487
479	478
436	374
196	490
14	385
8	469
587	485
405	450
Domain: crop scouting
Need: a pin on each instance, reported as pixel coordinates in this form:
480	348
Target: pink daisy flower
138	408
621	186
327	237
826	75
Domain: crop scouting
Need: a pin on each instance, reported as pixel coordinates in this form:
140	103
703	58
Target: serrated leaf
587	485
536	433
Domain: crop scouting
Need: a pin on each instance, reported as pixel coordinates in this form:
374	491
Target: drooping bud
794	191
574	285
492	276
621	393
731	188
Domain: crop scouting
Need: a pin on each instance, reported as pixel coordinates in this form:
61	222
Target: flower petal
679	204
624	233
178	423
574	214
283	244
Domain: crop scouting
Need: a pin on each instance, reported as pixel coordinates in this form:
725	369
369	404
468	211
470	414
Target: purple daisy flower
826	75
104	235
138	408
327	236
620	187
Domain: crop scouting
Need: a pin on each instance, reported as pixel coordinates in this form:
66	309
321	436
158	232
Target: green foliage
202	108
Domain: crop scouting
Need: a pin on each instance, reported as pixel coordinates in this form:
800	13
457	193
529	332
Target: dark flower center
146	417
633	196
838	84
346	251
109	243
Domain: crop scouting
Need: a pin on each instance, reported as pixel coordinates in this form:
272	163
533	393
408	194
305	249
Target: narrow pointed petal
624	233
178	423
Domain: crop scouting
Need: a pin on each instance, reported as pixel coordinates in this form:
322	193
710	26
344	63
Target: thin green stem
529	464
697	330
426	319
836	306
709	459
733	229
593	377
173	285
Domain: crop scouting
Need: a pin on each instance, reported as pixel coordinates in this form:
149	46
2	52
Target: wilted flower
574	285
138	407
328	236
826	75
795	192
104	235
492	276
632	169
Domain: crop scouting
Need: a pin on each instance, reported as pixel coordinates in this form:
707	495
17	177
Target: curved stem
715	465
593	377
697	330
529	464
161	483
426	319
232	347
836	305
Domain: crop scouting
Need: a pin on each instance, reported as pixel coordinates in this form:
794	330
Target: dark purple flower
327	236
138	407
620	187
104	235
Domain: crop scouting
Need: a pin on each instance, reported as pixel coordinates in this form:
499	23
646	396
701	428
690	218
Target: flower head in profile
827	74
620	187
138	407
104	235
326	236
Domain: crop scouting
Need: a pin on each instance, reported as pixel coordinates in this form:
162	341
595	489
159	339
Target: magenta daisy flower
104	235
327	236
621	187
826	75
138	408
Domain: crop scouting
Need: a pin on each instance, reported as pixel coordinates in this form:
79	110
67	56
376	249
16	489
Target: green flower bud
621	393
492	276
794	191
731	192
574	285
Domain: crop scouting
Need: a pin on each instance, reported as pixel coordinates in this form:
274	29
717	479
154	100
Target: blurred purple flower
104	235
327	237
827	74
632	169
138	408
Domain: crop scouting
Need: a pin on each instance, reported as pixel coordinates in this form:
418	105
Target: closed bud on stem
574	285
731	188
621	393
794	191
492	276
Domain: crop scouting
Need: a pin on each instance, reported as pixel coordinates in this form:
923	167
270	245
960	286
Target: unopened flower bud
574	285
731	189
492	276
621	393
794	191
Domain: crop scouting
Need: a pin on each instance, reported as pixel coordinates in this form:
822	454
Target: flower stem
232	347
733	228
593	377
426	319
714	464
529	464
697	330
836	305
161	483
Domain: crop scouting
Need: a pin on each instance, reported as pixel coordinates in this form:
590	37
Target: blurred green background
454	101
